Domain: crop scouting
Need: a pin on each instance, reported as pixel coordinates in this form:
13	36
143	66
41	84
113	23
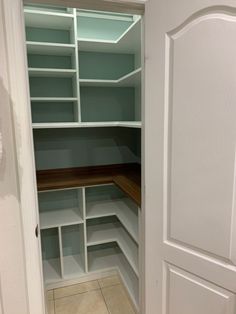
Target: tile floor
102	296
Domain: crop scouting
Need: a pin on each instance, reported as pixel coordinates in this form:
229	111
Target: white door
190	162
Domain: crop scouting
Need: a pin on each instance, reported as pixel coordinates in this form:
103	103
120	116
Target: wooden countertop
126	176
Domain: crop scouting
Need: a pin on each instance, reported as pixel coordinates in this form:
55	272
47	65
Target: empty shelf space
130	80
104	257
108	200
50	48
72	242
60	208
42	72
52	20
106	230
128	42
129	178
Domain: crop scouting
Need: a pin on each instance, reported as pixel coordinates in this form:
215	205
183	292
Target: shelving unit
85	75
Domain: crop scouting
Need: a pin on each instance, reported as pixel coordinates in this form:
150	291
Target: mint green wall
107	104
51	87
52	112
107	66
101	193
47	35
65	148
53	62
101	29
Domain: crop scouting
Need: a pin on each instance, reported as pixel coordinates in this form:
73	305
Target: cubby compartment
52	87
51	255
105	66
102	26
109	229
73	250
108	256
109	200
52	112
41	61
60	208
107	104
37	34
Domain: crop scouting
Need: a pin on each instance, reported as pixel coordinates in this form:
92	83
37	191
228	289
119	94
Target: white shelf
51	20
53	99
119	207
73	266
45	72
52	270
130	80
58	218
114	232
45	48
129	42
58	125
109	258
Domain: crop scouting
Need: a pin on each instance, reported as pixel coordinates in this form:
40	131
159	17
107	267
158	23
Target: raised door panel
187	294
201	133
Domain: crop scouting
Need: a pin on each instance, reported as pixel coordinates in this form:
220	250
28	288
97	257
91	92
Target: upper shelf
51	20
129	42
59	125
126	176
45	48
130	80
42	72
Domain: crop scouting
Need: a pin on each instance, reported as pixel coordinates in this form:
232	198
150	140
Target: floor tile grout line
105	302
112	285
74	294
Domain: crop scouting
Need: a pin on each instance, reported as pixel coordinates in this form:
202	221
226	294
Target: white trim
19	94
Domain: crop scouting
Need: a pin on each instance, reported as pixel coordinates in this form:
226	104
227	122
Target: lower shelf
52	270
104	257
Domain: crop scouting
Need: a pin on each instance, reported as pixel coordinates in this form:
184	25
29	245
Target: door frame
13	17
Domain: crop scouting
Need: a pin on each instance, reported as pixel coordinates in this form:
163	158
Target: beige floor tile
117	300
50	295
109	281
91	302
50	306
76	289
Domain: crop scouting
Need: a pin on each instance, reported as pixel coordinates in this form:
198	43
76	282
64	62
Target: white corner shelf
52	270
114	232
58	125
46	48
72	266
119	207
130	80
59	218
129	42
46	19
46	72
